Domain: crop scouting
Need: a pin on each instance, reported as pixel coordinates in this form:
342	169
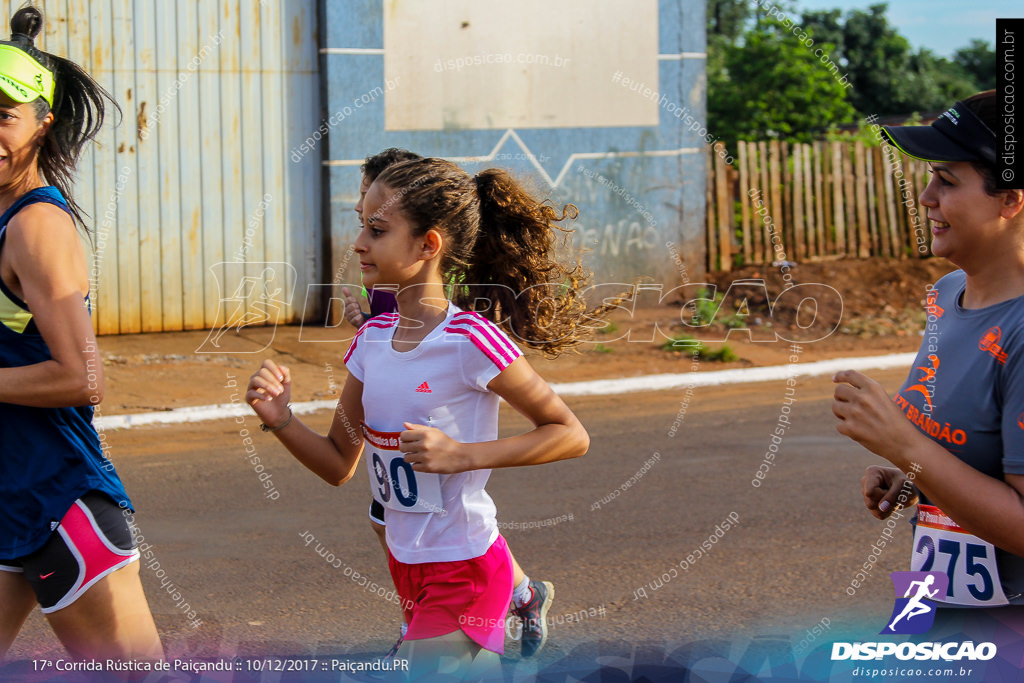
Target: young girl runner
64	539
424	385
531	599
955	431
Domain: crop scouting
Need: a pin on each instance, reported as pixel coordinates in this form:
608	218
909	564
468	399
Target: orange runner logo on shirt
943	432
990	342
931	307
928	376
1020	420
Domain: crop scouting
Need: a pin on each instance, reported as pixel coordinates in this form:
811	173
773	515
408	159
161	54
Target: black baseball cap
957	135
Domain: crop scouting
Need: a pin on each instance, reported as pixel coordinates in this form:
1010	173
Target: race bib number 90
393	481
941	545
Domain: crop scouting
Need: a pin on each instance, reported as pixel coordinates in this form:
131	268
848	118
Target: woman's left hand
428	449
868	416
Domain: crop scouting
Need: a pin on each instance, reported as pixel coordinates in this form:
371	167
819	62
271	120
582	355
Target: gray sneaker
534	617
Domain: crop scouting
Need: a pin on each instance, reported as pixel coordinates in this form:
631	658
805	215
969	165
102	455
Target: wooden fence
812	202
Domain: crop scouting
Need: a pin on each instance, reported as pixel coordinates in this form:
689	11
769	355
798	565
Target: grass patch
706	310
685	343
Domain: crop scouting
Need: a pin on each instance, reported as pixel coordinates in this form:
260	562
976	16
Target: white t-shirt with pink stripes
441	383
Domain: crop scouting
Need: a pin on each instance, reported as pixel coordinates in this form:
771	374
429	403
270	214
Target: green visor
22	78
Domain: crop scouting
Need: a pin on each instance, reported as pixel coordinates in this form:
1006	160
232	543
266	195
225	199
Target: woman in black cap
65	538
954	432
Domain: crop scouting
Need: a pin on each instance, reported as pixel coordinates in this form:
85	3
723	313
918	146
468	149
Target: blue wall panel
640	189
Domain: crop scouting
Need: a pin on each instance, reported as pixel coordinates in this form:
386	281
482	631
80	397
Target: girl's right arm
557	433
334	457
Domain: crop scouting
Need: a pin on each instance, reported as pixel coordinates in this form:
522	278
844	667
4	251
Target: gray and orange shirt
966	391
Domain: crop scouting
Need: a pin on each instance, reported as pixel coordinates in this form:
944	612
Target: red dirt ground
874	307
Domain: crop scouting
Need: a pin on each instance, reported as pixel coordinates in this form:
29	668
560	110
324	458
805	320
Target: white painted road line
600	387
607	387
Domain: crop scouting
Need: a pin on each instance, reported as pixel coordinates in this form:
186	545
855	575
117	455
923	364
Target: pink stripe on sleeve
488	329
480	344
373	322
492	344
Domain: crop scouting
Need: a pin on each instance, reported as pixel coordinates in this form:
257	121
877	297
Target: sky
943	26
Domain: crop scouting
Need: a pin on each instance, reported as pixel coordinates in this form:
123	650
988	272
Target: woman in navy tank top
66	540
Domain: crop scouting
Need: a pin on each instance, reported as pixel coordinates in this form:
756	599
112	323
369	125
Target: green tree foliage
888	76
937	82
875	56
978	60
727	19
773	86
763	82
827	26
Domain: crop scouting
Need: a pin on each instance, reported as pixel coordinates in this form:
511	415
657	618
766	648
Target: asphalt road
681	465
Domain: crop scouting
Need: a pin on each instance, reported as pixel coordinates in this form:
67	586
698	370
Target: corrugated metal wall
196	208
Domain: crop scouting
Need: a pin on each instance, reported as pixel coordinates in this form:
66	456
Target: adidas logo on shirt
423	388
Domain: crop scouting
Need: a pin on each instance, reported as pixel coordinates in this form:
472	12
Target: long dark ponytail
79	104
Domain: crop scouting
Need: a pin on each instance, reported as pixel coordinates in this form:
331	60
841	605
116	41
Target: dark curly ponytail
500	254
78	108
515	253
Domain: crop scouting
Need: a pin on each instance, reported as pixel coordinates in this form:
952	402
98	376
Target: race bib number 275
393	481
940	544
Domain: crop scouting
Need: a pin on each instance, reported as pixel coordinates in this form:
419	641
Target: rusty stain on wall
141	122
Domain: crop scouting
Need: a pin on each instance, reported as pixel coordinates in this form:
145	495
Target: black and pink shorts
92	540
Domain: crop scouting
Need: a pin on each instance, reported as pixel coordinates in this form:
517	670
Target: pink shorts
444	597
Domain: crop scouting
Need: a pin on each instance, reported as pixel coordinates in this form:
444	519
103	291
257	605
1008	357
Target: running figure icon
254	295
916	606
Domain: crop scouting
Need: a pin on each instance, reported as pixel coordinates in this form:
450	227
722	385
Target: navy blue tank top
49	457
